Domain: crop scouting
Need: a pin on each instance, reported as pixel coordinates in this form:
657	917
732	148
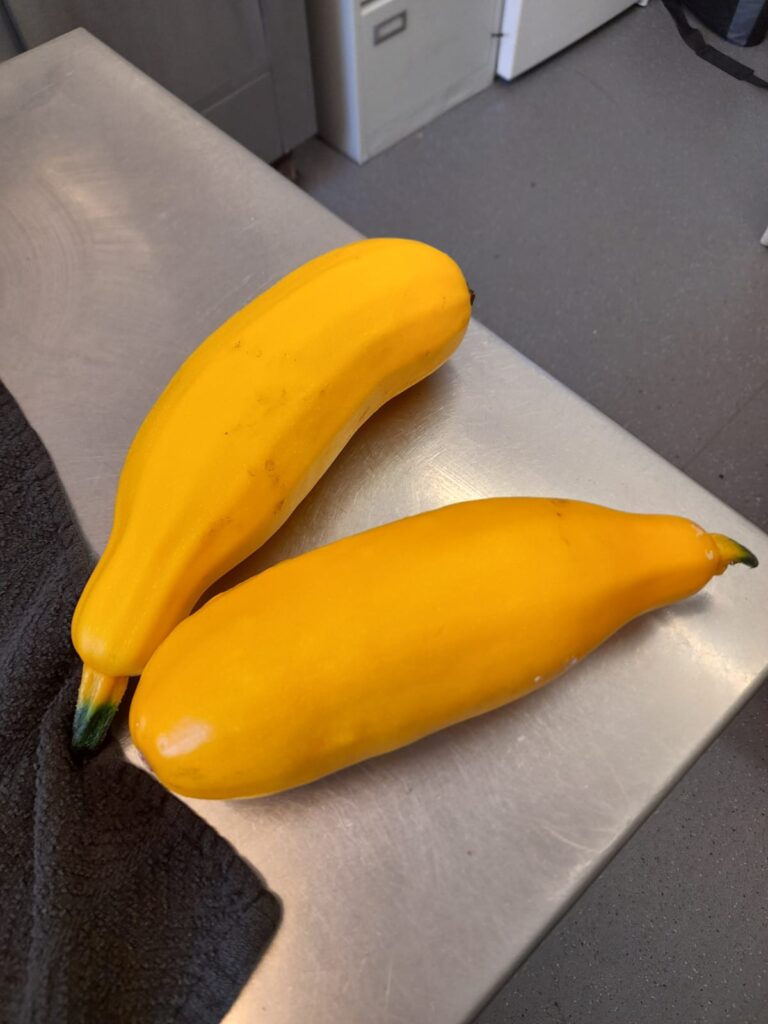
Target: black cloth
117	903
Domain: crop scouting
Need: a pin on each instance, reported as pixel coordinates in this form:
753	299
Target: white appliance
533	30
384	68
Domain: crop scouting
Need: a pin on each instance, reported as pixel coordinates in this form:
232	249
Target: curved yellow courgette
243	431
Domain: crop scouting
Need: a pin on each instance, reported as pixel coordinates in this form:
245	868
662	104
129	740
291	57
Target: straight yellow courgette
369	643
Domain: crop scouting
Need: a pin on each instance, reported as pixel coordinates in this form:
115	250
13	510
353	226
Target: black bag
743	22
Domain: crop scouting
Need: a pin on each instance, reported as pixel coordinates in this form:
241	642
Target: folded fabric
117	903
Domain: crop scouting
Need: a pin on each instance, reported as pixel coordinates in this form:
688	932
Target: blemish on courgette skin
272	473
219	524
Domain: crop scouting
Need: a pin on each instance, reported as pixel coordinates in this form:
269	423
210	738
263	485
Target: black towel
117	903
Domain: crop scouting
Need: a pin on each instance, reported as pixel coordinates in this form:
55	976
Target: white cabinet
533	30
384	68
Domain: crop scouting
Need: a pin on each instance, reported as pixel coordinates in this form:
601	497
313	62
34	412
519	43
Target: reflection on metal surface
129	228
706	652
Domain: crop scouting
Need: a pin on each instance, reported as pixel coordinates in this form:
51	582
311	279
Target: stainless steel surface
129	228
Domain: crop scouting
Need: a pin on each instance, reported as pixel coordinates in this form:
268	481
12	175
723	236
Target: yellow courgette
378	639
244	429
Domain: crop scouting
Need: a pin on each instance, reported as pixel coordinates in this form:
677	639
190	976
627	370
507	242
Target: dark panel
250	116
200	50
285	25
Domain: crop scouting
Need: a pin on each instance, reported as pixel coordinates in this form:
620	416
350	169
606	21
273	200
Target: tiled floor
607	208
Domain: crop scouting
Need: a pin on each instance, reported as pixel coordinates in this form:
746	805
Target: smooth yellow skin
378	639
251	421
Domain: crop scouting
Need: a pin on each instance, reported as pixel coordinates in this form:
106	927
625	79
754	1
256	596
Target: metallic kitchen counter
412	884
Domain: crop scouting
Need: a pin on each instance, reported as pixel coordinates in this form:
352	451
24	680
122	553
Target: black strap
693	38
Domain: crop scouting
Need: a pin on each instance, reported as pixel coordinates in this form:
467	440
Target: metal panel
199	50
285	25
250	116
212	55
129	229
9	43
333	42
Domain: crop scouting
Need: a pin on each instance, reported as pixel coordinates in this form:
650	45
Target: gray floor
607	209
